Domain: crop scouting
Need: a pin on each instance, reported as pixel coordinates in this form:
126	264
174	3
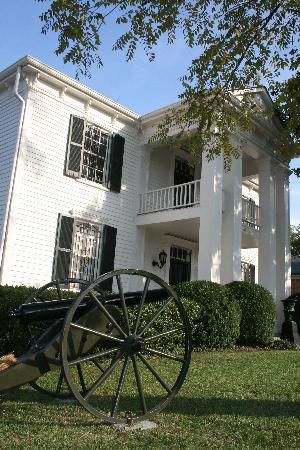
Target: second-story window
183	172
94	154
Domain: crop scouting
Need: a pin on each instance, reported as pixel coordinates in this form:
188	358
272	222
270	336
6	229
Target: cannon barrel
48	310
57	309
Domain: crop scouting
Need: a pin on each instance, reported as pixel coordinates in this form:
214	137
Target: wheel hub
133	344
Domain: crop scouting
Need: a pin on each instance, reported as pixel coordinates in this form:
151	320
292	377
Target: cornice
44	72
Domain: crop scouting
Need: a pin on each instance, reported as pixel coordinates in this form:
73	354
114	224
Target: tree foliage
242	44
295	240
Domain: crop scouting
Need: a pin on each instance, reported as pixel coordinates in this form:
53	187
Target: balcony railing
179	196
250	213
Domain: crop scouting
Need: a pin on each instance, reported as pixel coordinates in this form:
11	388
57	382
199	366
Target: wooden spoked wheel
53	383
139	357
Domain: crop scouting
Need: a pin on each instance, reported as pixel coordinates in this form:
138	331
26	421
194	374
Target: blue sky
140	85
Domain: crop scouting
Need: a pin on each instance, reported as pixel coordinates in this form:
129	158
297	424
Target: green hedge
12	337
214	315
15	337
258	313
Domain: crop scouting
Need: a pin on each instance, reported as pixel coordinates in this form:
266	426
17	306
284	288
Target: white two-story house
82	192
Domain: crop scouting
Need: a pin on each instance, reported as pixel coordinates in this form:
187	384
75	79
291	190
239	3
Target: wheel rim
49	384
131	352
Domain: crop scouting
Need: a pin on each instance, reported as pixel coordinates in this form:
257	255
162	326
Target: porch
171	250
182	202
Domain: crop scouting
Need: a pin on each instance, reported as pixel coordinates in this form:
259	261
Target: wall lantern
162	257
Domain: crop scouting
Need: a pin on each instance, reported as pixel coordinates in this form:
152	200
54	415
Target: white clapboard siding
9	121
43	191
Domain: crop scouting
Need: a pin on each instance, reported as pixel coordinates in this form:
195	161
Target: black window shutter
74	147
63	248
116	163
108	254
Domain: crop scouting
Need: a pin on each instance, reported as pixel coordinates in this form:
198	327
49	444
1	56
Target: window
84	250
180	265
248	272
183	173
94	154
95	150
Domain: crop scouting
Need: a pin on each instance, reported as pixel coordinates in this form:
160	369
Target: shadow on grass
236	407
182	405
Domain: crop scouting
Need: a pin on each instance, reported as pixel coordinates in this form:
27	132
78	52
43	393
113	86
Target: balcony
172	197
250	214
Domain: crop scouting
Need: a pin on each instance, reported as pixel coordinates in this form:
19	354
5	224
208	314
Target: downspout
13	173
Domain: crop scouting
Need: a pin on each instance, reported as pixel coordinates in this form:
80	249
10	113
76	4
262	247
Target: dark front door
180	265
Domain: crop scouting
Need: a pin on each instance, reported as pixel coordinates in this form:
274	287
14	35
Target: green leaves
241	45
295	240
258	313
214	316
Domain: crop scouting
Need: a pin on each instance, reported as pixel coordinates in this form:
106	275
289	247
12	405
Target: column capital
268	164
284	172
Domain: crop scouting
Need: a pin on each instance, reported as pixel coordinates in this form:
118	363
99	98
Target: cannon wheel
139	354
61	289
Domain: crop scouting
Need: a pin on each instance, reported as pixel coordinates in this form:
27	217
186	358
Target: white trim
13	171
34	65
181	242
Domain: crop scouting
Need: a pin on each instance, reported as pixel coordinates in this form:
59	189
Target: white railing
179	196
250	213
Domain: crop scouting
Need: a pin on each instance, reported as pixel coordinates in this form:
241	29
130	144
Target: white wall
162	165
251	193
156	241
161	169
43	191
10	109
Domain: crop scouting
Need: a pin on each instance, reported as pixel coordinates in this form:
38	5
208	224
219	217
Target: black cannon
122	354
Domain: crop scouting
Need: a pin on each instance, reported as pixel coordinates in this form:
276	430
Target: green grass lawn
241	400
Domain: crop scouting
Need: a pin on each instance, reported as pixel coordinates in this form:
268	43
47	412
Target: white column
135	283
232	223
138	252
283	258
267	233
210	229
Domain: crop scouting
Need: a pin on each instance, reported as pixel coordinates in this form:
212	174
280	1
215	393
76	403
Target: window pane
85	262
95	145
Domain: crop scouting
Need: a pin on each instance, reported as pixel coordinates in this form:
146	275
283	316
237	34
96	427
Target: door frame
180	242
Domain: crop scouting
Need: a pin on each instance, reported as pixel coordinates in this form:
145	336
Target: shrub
12	336
283	344
214	315
258	313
